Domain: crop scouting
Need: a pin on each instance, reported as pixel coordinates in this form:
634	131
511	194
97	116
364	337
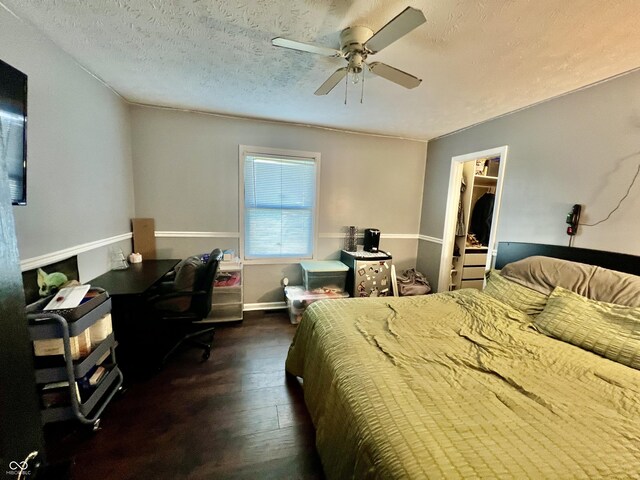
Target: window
279	190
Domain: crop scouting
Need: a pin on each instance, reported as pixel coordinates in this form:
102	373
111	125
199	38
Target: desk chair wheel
92	427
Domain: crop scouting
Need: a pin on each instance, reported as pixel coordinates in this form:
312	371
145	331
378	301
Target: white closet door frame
451	213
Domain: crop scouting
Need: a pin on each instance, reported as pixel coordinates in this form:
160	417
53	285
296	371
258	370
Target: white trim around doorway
451	212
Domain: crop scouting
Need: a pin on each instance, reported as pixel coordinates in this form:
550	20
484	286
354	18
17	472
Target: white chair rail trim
178	234
397	236
430	239
56	256
48	258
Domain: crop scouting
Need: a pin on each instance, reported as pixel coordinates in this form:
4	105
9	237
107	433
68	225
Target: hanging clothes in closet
481	217
460	231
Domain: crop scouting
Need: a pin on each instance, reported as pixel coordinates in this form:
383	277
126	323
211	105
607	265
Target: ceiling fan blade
402	24
394	75
332	81
305	47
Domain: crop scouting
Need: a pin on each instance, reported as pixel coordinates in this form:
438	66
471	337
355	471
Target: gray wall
579	148
186	177
79	152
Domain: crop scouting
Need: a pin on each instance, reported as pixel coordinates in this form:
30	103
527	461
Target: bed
494	384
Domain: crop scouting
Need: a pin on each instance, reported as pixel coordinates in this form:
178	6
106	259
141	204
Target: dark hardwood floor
234	416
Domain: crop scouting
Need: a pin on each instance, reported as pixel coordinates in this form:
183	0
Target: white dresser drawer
475	259
473	273
477	284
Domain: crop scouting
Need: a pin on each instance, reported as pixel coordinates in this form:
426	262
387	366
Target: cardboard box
144	237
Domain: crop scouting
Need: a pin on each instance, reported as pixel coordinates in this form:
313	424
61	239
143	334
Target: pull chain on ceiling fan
356	44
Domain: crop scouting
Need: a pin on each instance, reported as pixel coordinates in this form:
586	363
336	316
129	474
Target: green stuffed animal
50	283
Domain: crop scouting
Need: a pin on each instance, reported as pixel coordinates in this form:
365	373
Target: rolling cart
45	325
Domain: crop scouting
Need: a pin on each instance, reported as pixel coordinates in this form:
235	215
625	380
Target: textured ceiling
477	58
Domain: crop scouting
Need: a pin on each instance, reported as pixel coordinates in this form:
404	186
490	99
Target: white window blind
279	207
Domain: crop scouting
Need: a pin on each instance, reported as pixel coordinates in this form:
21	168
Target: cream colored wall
186	177
79	187
580	148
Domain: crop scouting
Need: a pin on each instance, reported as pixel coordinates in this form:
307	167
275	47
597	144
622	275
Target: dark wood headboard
512	251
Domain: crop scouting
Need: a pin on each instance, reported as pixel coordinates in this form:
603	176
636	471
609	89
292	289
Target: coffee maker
371	239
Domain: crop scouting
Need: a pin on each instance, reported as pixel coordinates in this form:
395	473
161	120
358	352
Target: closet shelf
484	180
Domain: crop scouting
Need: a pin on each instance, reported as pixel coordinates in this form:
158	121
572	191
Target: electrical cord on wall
633	181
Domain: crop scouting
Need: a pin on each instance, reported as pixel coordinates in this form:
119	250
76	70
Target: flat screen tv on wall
13	130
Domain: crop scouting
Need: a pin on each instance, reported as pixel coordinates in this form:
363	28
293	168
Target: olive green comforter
459	385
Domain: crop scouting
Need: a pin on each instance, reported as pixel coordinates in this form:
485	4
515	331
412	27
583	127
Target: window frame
285	154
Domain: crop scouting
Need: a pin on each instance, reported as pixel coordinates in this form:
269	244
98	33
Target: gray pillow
186	273
185	276
544	274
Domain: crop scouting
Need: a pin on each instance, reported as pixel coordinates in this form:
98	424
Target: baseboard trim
426	238
48	258
250	307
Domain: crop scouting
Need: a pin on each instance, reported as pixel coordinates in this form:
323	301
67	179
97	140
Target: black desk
136	279
135	332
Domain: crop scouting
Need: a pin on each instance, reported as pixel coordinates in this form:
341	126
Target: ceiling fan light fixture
359	42
356	60
355	76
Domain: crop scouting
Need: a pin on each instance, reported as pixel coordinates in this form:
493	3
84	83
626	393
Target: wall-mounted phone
573	219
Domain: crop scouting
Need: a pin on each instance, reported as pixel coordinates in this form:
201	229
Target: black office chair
182	307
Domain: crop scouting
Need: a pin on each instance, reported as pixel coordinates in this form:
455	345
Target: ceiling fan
357	43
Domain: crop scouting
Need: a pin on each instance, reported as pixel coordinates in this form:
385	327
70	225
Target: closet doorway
471	218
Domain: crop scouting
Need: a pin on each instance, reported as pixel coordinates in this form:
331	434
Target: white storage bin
327	275
298	299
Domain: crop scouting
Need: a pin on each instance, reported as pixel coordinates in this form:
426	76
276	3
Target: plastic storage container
326	275
298	299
